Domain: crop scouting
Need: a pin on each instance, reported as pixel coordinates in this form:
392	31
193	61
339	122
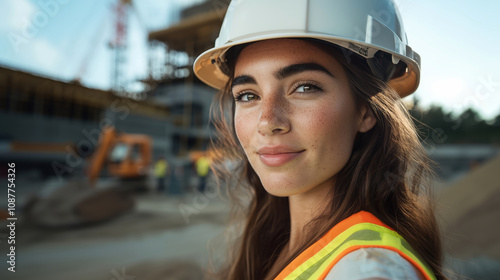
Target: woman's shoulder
373	263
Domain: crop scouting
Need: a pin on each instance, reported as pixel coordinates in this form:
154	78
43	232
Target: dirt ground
158	239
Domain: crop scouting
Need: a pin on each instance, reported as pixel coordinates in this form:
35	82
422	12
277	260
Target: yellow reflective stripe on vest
359	235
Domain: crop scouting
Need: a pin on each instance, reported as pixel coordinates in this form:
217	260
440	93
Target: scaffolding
183	41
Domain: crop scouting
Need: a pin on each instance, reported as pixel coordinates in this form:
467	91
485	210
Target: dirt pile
470	213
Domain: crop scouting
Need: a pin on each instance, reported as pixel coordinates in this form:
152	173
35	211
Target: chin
278	192
282	187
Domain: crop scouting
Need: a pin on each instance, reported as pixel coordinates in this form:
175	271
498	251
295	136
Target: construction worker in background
202	165
161	167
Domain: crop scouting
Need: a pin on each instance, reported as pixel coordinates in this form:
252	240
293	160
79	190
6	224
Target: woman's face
295	115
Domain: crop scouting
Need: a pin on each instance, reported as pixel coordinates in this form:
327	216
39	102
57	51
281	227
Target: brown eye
246	97
307	88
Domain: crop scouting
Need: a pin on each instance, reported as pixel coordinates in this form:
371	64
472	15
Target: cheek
331	129
242	129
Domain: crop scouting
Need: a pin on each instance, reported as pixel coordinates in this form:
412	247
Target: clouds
15	24
24	20
13	13
22	40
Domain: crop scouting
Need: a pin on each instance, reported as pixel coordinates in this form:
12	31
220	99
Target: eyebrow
283	73
299	68
243	79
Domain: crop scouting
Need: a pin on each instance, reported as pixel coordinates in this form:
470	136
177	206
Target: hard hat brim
206	66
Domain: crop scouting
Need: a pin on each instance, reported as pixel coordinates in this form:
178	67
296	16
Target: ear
368	120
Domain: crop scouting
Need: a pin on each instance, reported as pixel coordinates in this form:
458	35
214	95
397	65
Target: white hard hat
370	28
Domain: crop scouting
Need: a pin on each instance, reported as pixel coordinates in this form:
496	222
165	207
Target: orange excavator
128	159
128	156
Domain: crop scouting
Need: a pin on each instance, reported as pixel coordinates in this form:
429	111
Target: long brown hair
388	175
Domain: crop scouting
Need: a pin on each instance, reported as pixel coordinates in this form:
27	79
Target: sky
65	39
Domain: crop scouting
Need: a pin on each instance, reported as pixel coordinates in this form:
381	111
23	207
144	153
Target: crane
119	44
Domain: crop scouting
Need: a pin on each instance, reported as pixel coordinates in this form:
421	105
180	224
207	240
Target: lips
275	156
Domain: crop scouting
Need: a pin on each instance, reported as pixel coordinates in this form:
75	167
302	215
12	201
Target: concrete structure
44	120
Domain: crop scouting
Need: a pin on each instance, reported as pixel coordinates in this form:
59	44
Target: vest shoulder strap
361	230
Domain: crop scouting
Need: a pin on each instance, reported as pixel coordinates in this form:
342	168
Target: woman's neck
304	208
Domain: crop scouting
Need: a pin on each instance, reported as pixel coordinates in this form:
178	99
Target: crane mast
119	45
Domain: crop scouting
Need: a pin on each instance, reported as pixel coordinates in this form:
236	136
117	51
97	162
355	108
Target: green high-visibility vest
361	230
161	168
202	166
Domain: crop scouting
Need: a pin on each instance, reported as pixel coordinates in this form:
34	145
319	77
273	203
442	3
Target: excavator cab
128	156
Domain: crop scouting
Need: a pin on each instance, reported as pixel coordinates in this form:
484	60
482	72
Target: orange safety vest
360	230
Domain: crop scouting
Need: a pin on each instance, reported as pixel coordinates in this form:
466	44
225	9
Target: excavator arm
99	158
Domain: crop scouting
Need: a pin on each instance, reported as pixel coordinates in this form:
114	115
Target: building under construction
46	120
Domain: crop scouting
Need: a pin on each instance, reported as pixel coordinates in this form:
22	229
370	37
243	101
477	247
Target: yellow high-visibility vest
202	166
361	230
161	168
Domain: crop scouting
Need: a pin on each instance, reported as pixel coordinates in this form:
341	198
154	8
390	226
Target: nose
274	116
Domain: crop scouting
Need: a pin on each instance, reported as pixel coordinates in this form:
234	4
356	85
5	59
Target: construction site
88	204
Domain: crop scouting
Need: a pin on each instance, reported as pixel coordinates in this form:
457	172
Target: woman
312	111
